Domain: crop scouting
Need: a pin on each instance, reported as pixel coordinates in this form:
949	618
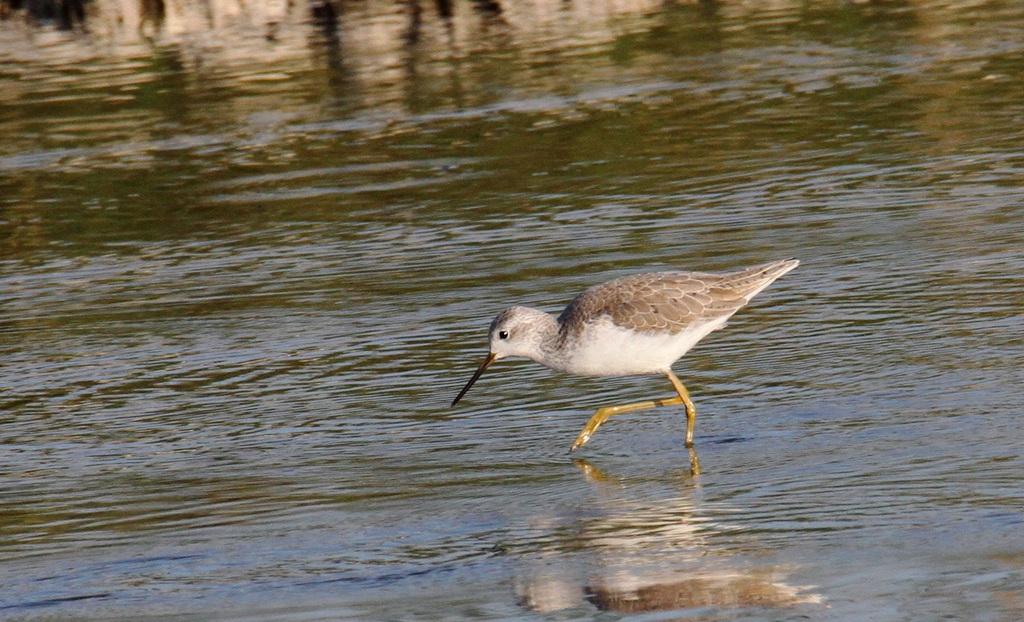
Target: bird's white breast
604	349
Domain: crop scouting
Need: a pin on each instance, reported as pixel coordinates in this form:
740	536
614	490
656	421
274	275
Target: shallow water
242	283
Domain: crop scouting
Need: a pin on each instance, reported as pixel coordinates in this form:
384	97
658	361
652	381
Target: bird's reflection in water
650	554
597	475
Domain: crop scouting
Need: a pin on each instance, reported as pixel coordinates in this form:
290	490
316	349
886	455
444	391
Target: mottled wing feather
669	301
660	301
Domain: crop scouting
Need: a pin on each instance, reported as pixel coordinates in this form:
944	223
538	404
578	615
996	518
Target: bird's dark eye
502	334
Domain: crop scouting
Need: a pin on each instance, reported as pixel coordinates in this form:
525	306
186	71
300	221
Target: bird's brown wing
669	301
657	301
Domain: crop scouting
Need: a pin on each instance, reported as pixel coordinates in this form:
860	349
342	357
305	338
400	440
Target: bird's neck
550	351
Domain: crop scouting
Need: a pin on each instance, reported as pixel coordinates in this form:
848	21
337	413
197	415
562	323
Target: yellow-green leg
691	410
602	414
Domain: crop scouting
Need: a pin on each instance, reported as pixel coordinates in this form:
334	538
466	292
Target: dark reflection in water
247	257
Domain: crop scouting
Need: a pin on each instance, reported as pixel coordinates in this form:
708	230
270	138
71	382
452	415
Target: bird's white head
517	331
520	331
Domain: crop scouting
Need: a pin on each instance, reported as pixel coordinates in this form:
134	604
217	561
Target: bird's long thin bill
476	376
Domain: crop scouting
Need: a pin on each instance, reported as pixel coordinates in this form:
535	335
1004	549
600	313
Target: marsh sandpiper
636	324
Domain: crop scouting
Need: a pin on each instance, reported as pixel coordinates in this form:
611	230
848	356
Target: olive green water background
249	255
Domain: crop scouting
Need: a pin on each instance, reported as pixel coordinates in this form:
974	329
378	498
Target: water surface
242	283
